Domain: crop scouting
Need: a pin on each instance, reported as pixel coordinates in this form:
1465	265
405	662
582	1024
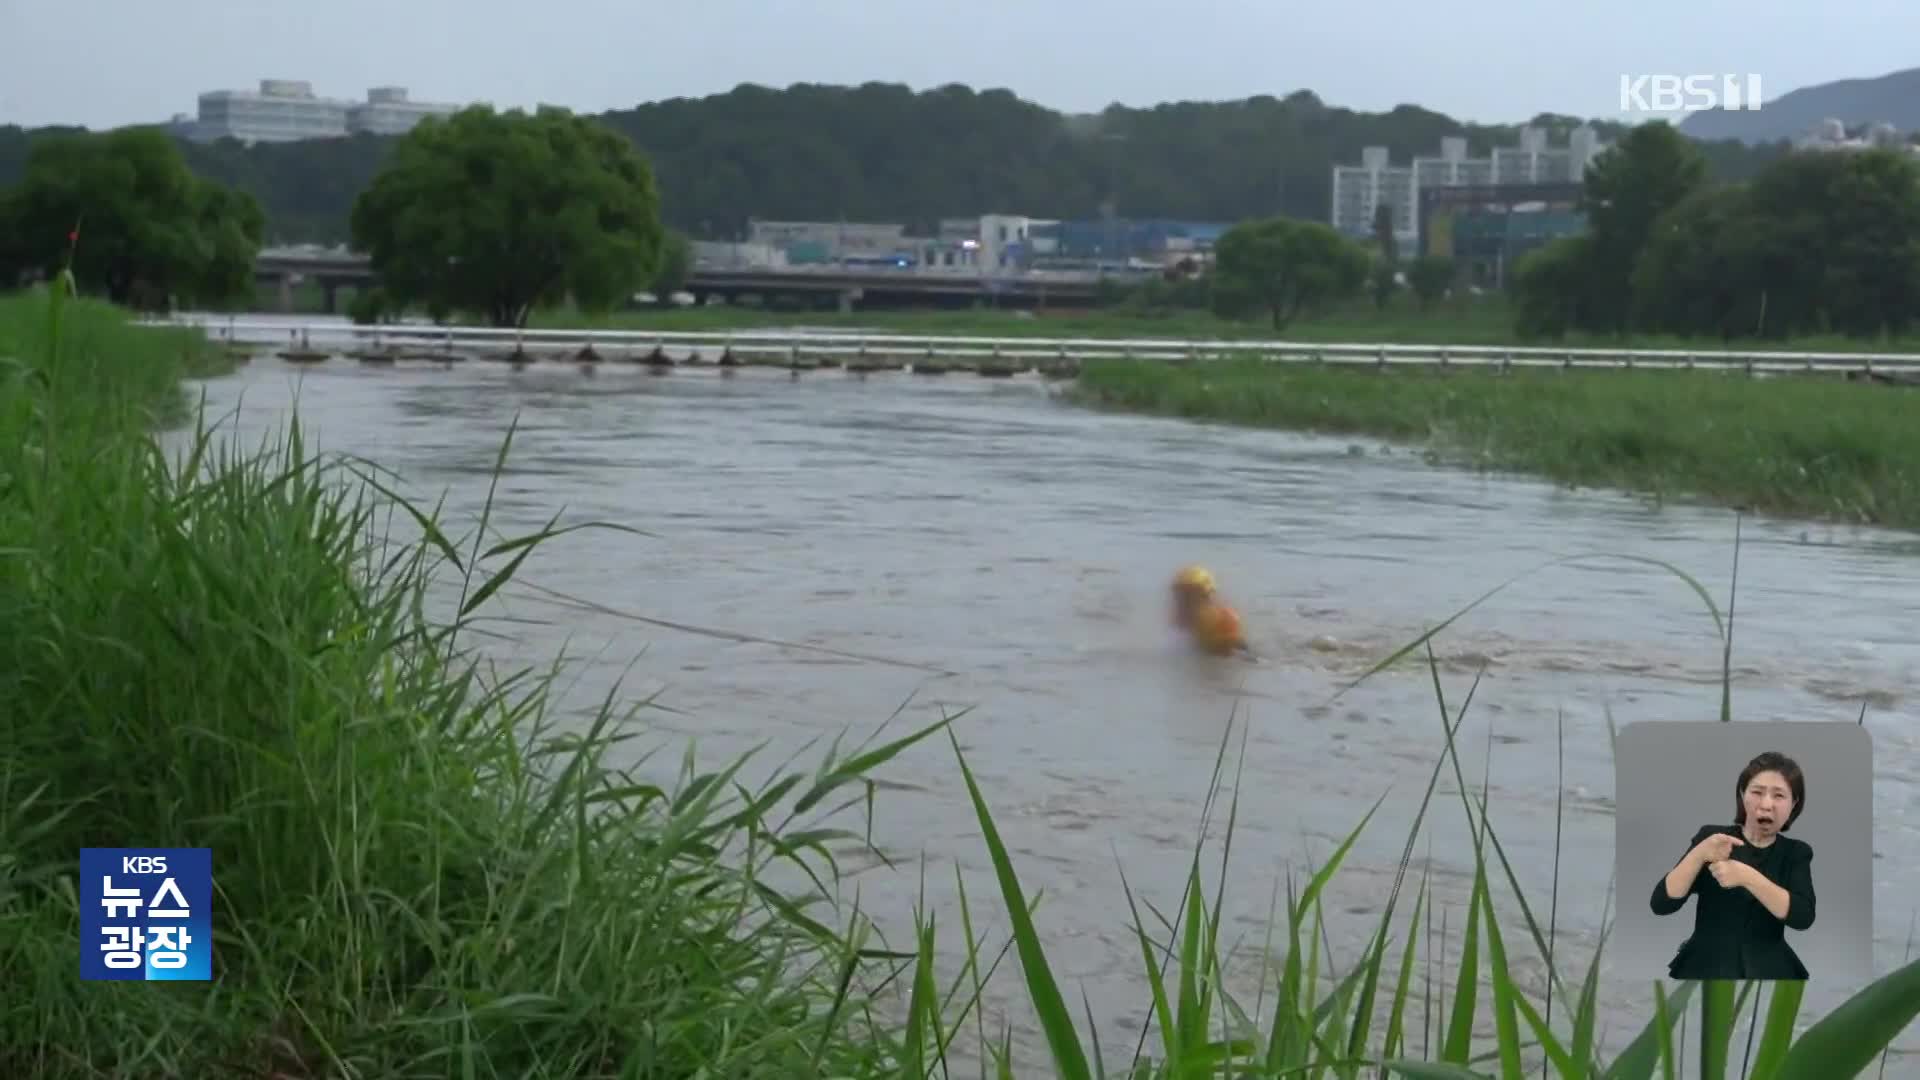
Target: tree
676	263
1430	275
1386	266
498	212
1282	267
1384	239
1817	243
1549	287
1702	269
1837	239
1385	277
1649	172
150	231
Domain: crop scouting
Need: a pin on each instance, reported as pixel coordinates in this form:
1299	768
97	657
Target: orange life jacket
1216	628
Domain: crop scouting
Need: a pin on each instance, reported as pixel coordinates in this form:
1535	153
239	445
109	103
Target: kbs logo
1688	93
145	914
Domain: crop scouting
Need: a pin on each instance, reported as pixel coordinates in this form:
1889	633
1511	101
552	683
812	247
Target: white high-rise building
1831	134
287	110
282	110
1453	168
1526	163
1358	190
1583	147
389	112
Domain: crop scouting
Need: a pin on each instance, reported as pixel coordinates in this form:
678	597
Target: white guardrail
802	343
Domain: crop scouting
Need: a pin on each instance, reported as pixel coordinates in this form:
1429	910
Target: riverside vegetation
417	875
1811	446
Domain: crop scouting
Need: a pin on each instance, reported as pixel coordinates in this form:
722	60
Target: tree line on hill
884	153
494	214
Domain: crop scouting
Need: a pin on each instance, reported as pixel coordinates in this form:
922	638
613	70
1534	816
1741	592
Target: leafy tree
370	306
1281	267
497	212
1549	288
1836	242
1650	171
1386	265
676	264
1383	237
306	187
1430	275
1701	269
1385	281
1817	243
150	231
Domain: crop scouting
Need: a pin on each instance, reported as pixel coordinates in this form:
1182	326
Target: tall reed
1810	446
418	871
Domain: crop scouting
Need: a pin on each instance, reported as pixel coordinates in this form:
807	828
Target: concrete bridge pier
286	294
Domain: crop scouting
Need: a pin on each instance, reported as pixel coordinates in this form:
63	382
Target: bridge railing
847	343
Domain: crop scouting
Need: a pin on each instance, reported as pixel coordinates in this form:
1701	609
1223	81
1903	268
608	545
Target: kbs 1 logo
146	914
1688	93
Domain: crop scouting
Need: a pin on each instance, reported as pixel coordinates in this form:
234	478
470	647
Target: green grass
1810	447
420	874
1485	320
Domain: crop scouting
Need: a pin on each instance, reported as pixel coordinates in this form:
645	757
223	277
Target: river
980	527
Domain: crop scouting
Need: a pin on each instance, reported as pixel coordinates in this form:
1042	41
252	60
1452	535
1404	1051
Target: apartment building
1453	168
1359	189
288	110
1831	135
388	111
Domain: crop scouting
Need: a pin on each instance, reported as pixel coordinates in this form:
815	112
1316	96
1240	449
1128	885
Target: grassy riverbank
413	880
1483	320
233	659
1821	448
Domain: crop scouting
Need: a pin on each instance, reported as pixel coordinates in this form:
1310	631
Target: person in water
1213	626
1752	881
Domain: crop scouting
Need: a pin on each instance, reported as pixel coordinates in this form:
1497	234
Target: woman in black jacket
1757	882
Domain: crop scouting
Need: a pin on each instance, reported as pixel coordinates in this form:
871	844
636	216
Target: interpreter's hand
1715	848
1730	874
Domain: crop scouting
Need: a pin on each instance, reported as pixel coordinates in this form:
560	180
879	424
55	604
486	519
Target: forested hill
882	152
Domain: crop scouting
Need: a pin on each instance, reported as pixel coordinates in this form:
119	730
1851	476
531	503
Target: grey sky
107	62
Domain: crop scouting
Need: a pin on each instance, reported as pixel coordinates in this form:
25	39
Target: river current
1009	553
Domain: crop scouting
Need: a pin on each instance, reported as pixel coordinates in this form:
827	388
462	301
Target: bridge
288	266
864	286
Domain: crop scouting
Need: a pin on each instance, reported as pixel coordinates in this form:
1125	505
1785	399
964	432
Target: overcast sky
106	62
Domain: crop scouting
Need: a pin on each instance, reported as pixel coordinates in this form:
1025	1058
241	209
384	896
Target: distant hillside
881	152
1892	99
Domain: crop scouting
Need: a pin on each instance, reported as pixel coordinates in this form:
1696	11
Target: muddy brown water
983	528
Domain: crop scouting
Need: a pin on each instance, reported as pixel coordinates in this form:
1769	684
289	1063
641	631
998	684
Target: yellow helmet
1197	578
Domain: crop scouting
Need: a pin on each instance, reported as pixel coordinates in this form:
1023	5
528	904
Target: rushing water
979	527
